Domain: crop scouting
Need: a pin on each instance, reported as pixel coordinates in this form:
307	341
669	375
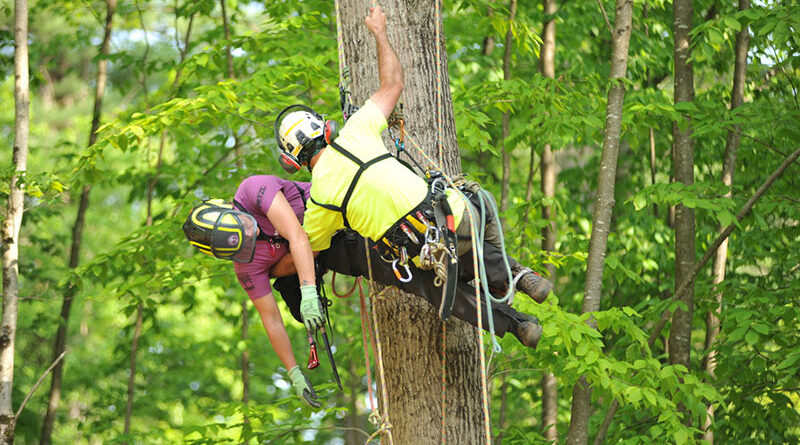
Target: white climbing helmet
298	130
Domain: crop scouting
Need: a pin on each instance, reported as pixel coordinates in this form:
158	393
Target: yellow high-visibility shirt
385	192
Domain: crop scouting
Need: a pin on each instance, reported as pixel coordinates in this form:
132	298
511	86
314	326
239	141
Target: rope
386	425
340	43
444	380
375	417
437	7
348	293
365	327
477	285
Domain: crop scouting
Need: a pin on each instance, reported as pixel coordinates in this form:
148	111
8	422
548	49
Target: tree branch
612	409
605	17
38	382
722	236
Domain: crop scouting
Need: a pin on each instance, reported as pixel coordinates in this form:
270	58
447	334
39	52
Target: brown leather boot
528	332
531	283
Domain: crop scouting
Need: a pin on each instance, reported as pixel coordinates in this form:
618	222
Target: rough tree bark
683	152
549	168
603	207
60	342
409	329
729	163
13	221
505	182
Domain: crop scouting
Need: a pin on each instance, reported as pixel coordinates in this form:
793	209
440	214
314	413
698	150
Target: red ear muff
331	131
289	163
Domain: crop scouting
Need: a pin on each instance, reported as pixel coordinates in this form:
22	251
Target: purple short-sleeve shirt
255	195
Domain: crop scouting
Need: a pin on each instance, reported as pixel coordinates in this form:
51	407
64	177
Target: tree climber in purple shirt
261	226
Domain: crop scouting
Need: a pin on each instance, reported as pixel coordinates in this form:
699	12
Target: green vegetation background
217	131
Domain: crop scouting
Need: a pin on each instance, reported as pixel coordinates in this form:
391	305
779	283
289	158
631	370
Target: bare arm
285	221
273	324
390	71
284	266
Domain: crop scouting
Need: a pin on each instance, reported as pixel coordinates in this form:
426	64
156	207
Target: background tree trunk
409	329
60	343
13	221
505	182
728	167
603	207
683	152
549	168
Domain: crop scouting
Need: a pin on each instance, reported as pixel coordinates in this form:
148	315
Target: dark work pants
347	256
496	272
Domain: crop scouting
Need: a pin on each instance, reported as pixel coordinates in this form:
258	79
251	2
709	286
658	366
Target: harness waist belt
417	221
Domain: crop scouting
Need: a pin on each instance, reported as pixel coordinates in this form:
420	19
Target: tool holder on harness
445	223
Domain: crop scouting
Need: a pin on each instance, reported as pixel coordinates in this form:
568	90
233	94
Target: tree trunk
603	207
548	69
505	182
683	152
488	41
501	421
353	419
410	332
245	361
60	342
245	357
728	167
132	377
13	222
651	130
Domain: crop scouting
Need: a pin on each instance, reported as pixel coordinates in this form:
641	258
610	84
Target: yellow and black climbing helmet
215	228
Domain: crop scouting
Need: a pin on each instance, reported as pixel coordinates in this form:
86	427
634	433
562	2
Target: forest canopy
670	343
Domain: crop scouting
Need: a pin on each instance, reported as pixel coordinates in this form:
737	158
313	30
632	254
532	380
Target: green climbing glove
310	308
302	386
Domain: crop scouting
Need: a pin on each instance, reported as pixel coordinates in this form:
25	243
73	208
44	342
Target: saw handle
313	360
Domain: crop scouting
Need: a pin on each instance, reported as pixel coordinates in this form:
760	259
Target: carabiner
432	235
400	275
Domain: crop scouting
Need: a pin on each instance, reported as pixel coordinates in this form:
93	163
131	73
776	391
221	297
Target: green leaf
681	436
137	130
639	202
752	337
725	218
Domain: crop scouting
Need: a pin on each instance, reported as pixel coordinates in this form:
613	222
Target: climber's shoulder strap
362	166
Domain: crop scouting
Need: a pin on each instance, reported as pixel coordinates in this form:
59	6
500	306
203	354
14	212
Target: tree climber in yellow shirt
357	184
